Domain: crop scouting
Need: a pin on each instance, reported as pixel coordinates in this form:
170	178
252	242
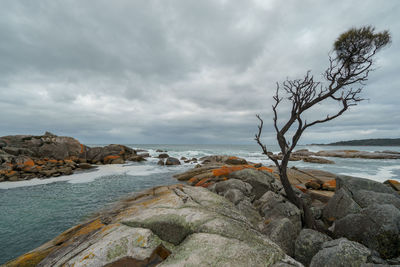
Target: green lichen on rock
118	249
214	250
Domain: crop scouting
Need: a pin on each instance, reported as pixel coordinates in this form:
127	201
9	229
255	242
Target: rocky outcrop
24	157
169	226
367	212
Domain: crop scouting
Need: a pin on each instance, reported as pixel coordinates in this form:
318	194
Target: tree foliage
348	70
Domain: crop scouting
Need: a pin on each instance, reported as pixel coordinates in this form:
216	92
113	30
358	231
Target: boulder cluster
358	220
24	157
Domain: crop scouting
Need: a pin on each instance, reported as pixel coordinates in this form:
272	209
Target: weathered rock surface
274	206
260	181
377	227
170	226
282	232
368	212
341	252
308	243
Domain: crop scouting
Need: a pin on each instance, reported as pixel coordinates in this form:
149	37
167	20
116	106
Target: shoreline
106	217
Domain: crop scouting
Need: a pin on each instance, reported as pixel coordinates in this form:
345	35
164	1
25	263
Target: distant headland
366	142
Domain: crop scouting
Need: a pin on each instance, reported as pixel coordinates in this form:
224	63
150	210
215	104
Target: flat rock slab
170	226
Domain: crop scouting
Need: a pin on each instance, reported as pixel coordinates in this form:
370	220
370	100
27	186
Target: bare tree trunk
307	216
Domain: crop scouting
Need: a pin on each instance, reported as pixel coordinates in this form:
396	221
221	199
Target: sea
35	211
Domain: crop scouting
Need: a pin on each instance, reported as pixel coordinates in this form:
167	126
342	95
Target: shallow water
33	212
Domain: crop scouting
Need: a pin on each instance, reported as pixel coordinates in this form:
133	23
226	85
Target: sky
183	72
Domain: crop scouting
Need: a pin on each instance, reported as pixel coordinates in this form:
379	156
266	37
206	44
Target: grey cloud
180	71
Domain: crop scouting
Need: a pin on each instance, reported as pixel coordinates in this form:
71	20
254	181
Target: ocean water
35	211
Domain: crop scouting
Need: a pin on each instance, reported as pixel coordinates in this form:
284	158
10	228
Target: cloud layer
181	71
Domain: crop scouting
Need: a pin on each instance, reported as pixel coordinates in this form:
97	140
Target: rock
357	154
65	171
223	159
160	151
108	153
85	166
282	232
172	161
234	195
235	161
318	160
143	155
377	227
183	158
163	156
160	162
307	244
314	184
248	210
274	206
353	184
329	185
366	198
341	252
223	187
394	184
260	181
339	206
137	158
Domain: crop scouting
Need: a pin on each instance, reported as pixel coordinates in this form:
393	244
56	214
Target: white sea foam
382	174
99	172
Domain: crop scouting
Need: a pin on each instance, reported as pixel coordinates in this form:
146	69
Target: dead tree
349	66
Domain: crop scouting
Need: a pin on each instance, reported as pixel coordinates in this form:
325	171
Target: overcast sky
182	71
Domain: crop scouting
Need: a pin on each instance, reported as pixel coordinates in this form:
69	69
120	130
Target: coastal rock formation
351	212
304	153
368	212
25	157
169	226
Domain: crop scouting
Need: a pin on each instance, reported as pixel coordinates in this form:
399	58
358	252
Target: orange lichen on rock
88	256
39	162
79	230
30	259
233	157
329	185
108	159
302	189
193	180
202	181
394	184
226	170
54	161
82	148
205	185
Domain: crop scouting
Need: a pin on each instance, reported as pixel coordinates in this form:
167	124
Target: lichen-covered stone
341	253
308	243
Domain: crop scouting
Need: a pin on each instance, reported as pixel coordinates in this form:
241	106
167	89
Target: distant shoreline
365	142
